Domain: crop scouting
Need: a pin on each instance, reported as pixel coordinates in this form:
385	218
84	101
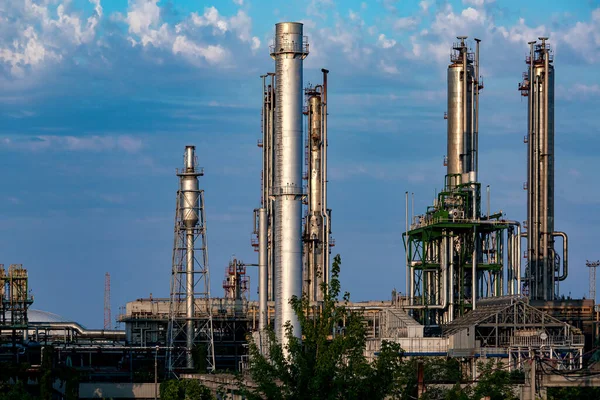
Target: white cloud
387	68
318	8
478	3
39	33
521	33
406	23
425	5
384	42
584	38
125	143
239	2
211	18
194	52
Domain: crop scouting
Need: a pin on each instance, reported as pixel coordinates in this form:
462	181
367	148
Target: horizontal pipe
86	333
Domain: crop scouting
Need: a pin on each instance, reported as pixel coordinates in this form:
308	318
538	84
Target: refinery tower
292	225
455	253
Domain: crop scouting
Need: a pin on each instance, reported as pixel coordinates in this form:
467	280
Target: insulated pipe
316	231
406	249
451	278
262	271
474	270
325	211
548	269
189	297
288	51
464	104
530	164
535	195
476	78
565	254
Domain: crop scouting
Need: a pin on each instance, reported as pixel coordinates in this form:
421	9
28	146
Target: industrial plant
479	285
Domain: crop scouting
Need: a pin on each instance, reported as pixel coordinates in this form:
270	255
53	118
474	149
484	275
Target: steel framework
190	322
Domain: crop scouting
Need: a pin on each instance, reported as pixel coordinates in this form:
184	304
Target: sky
98	99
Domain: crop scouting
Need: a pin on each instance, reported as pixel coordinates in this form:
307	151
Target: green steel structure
455	255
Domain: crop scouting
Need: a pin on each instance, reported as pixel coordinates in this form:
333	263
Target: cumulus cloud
39	33
194	52
211	18
384	42
406	23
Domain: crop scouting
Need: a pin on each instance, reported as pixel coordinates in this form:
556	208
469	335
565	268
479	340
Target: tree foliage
329	361
185	389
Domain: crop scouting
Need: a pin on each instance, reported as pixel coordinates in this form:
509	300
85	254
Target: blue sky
98	99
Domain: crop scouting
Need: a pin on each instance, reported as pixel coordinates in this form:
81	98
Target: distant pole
107	317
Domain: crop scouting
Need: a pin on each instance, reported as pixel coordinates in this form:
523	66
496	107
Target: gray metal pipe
262	270
85	333
565	272
476	134
326	267
189	297
548	269
406	249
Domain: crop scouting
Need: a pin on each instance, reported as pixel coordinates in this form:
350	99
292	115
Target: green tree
328	362
46	371
494	381
185	389
14	392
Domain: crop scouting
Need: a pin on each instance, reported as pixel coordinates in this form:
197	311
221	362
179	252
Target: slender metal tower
264	218
107	316
190	311
592	265
289	50
543	270
317	222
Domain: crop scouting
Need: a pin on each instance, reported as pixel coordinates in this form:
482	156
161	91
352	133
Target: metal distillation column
189	276
317	229
538	85
288	51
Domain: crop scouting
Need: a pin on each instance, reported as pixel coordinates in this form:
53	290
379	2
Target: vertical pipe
189	297
325	211
406	249
466	154
474	269
451	279
412	212
289	51
262	271
530	182
518	260
476	147
271	180
488	201
548	267
535	195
